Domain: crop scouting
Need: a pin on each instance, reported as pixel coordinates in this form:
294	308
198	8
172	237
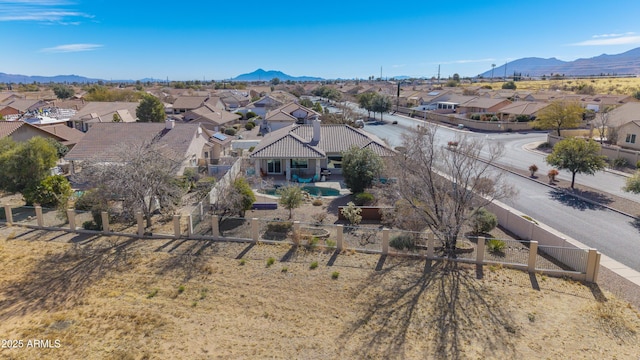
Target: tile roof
105	110
69	136
523	107
211	115
9	127
189	102
103	139
295	142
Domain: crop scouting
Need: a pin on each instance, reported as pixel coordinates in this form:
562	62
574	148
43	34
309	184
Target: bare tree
142	176
602	122
442	187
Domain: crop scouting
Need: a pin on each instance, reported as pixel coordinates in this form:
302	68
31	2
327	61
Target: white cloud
44	11
610	39
71	48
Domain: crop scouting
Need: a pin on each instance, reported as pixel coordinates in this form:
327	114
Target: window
631	139
274	166
299	163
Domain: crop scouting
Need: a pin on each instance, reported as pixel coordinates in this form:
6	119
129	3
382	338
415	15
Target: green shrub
330	243
402	242
363	198
249	126
90	225
242	262
152	293
52	191
638	165
352	213
230	131
313	265
483	221
284	269
620	163
279	226
251	148
241	114
181	289
270	261
496	246
250	115
335	275
545	145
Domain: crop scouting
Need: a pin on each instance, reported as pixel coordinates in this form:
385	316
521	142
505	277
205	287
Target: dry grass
619	86
114	298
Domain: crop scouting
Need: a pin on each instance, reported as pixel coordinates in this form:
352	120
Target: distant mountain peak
262	75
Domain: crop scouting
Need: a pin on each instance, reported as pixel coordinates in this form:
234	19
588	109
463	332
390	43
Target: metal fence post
533	256
39	216
340	237
480	250
176	226
215	229
8	215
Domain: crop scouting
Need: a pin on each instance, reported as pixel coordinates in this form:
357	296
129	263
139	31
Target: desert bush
335	275
544	145
552	175
363	198
249	125
533	168
352	213
402	242
484	221
317	202
496	246
250	115
313	265
90	225
230	131
280	226
320	217
620	163
638	165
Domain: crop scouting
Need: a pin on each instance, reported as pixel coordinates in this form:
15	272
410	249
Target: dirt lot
133	299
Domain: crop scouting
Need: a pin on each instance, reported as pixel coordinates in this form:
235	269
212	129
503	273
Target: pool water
312	190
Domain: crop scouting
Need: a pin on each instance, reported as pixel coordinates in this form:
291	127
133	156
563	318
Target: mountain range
262	75
627	63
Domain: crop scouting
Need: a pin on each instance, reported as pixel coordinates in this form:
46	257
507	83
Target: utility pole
380	73
438	74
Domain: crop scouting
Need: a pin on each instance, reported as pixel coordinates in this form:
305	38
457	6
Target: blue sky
189	40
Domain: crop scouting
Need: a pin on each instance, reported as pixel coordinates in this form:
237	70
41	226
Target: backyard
120	298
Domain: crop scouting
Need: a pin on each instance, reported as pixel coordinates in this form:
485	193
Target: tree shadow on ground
636	223
443	302
187	258
337	202
60	280
570	199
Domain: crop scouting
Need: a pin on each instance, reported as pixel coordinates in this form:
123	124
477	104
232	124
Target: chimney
316	131
169	124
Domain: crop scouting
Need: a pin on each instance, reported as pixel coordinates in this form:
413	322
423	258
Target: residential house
521	108
286	115
210	117
263	106
624	114
234	99
15	108
482	105
303	151
629	135
104	141
188	103
101	112
21	131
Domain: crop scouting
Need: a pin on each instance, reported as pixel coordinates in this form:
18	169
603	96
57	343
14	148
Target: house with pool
311	152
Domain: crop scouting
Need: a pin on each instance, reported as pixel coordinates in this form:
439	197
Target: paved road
613	234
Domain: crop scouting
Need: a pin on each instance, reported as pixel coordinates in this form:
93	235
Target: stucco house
286	115
21	131
629	135
303	151
102	111
103	141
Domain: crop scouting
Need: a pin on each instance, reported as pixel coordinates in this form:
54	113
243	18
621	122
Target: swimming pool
312	190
